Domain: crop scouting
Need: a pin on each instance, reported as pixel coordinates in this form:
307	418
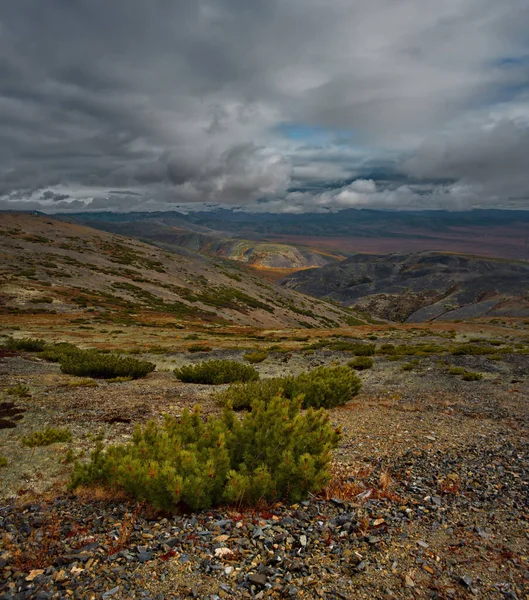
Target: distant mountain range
497	233
173	232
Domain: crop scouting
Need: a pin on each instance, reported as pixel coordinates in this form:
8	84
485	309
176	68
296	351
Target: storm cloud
277	105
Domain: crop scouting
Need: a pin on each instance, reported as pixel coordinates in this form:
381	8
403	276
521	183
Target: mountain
422	286
51	266
497	233
168	231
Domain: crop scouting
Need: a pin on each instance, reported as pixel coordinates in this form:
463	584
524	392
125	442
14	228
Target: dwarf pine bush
324	387
472	349
57	352
25	344
241	395
256	356
90	363
361	363
275	452
215	372
357	348
47	436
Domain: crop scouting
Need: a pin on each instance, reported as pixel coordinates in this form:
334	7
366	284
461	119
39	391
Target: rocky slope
51	266
422	286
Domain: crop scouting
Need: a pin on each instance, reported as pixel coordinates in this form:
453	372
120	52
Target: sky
264	105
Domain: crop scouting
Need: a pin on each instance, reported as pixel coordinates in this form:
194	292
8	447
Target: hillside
50	266
422	286
172	233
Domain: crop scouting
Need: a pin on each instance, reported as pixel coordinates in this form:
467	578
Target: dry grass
40	550
125	531
99	493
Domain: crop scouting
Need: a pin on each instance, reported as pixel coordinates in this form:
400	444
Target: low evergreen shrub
25	344
56	352
361	363
3	461
274	453
90	363
215	372
47	436
199	348
364	350
324	387
241	396
471	349
357	348
409	366
471	376
256	357
20	390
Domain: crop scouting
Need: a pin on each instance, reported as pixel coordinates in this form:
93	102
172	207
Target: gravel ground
430	498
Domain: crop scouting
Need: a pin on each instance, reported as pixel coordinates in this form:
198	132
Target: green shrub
215	372
256	357
471	376
324	387
472	349
242	395
199	348
47	436
410	365
387	349
25	344
357	348
364	350
90	363
361	363
20	390
3	461
274	453
56	352
465	375
43	300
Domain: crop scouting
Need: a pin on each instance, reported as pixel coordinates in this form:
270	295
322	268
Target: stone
257	579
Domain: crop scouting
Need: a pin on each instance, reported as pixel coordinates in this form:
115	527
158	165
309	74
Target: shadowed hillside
422	286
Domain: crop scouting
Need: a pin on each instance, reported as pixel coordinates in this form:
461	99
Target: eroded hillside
169	233
422	286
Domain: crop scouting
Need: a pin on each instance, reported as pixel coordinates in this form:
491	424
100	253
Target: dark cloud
131	103
49	195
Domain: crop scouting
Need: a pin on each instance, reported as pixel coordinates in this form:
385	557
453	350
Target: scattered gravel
431	498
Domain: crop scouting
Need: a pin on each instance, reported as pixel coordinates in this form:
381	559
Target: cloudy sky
270	105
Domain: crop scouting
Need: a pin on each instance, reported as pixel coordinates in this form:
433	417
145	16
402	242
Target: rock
257	579
34	574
